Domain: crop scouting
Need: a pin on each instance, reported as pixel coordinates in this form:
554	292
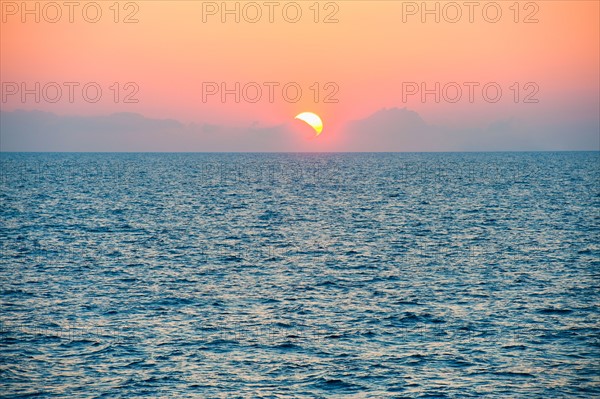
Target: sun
311	119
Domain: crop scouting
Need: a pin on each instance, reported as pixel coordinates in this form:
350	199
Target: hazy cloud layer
386	130
404	130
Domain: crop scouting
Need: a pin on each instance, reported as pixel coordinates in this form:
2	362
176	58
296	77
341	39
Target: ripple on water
299	275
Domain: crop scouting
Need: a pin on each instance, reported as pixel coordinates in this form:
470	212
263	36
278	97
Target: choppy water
299	275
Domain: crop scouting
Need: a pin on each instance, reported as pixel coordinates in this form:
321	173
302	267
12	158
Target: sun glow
311	119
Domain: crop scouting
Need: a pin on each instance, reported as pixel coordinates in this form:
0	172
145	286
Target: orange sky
170	52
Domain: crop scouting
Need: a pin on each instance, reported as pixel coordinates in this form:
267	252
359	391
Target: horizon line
295	152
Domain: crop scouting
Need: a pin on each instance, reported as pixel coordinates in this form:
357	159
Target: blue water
300	275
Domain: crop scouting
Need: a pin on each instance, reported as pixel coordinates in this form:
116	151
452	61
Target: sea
300	275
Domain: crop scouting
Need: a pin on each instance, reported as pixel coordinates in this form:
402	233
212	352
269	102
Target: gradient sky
367	54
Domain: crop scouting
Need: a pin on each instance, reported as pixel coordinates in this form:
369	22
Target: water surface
300	275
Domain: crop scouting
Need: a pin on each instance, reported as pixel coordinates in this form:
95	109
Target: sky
231	76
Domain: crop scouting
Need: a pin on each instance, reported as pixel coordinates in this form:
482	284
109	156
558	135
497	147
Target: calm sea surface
300	275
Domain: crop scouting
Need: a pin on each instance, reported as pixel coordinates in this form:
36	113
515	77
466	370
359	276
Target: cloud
45	131
393	129
398	129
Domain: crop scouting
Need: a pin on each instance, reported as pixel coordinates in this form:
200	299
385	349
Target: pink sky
368	55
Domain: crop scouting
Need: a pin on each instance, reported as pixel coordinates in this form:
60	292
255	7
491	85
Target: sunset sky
363	61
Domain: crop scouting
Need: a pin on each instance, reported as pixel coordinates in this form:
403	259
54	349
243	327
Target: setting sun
311	119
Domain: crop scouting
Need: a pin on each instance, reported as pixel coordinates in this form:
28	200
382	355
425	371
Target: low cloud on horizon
387	130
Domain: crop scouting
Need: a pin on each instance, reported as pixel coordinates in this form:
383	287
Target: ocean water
470	275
